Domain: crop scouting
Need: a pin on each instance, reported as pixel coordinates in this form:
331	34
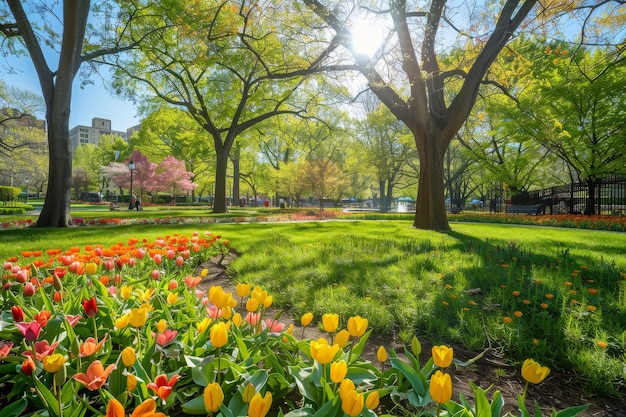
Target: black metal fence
607	196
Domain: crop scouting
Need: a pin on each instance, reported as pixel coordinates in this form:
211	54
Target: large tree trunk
219	203
56	208
430	209
590	209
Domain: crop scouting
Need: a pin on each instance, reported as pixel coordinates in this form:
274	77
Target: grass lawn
556	295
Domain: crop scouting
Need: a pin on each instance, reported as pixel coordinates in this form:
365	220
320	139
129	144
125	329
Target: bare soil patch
560	390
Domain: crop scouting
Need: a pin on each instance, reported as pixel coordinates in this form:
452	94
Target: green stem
524	393
95	329
59	399
219	372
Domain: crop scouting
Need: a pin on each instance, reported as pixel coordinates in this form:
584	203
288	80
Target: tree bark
221	168
430	209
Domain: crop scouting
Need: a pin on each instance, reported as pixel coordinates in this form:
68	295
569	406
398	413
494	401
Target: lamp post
27	183
131	166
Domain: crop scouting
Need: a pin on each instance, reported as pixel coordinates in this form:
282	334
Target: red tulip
28	366
90	306
17	313
162	386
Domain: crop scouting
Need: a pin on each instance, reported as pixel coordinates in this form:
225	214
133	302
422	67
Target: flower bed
128	329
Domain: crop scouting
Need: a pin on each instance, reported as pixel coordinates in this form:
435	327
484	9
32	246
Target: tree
230	65
172	176
56	87
324	180
291	181
143	176
577	108
434	100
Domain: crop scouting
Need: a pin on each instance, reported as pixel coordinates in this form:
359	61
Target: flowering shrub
130	329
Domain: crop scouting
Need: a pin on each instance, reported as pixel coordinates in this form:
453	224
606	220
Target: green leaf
14	409
415	378
51	403
572	411
194	407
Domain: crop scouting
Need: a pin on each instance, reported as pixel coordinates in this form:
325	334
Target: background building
82	135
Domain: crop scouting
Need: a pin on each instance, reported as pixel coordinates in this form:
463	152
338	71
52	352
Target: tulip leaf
483	408
329	409
358	348
52	405
194	406
416	379
571	411
14	409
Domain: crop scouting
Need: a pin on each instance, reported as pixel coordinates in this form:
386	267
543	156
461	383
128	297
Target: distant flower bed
614	223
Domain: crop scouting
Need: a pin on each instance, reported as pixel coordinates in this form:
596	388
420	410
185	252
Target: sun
367	36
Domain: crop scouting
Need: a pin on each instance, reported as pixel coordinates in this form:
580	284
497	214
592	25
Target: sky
88	102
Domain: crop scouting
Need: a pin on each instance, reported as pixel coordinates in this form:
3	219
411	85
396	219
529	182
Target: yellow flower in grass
121	322
243	290
203	324
373	400
342	338
128	356
172	298
352	403
338	371
346	386
138	316
52	363
252	305
322	352
381	354
219	335
259	406
442	355
440	387
213	397
161	325
330	322
533	372
306	319
126	291
357	326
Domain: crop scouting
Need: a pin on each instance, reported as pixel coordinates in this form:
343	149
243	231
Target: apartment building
82	135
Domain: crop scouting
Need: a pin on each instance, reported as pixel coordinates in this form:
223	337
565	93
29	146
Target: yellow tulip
131	382
323	353
121	322
91	268
442	355
330	322
243	290
161	325
172	298
352	403
346	386
338	371
533	372
357	326
126	291
248	393
227	313
252	305
342	338
138	316
259	295
440	387
218	335
52	363
213	397
128	356
306	319
203	325
373	400
237	319
267	303
259	406
381	354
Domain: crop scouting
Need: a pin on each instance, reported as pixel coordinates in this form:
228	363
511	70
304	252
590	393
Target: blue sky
87	103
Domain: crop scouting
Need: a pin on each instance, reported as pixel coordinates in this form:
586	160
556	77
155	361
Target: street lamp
131	166
27	182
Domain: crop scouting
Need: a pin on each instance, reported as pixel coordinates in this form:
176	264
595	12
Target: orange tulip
115	409
96	376
90	346
162	386
147	409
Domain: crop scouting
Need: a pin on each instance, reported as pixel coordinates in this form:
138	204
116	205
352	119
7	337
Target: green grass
456	287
